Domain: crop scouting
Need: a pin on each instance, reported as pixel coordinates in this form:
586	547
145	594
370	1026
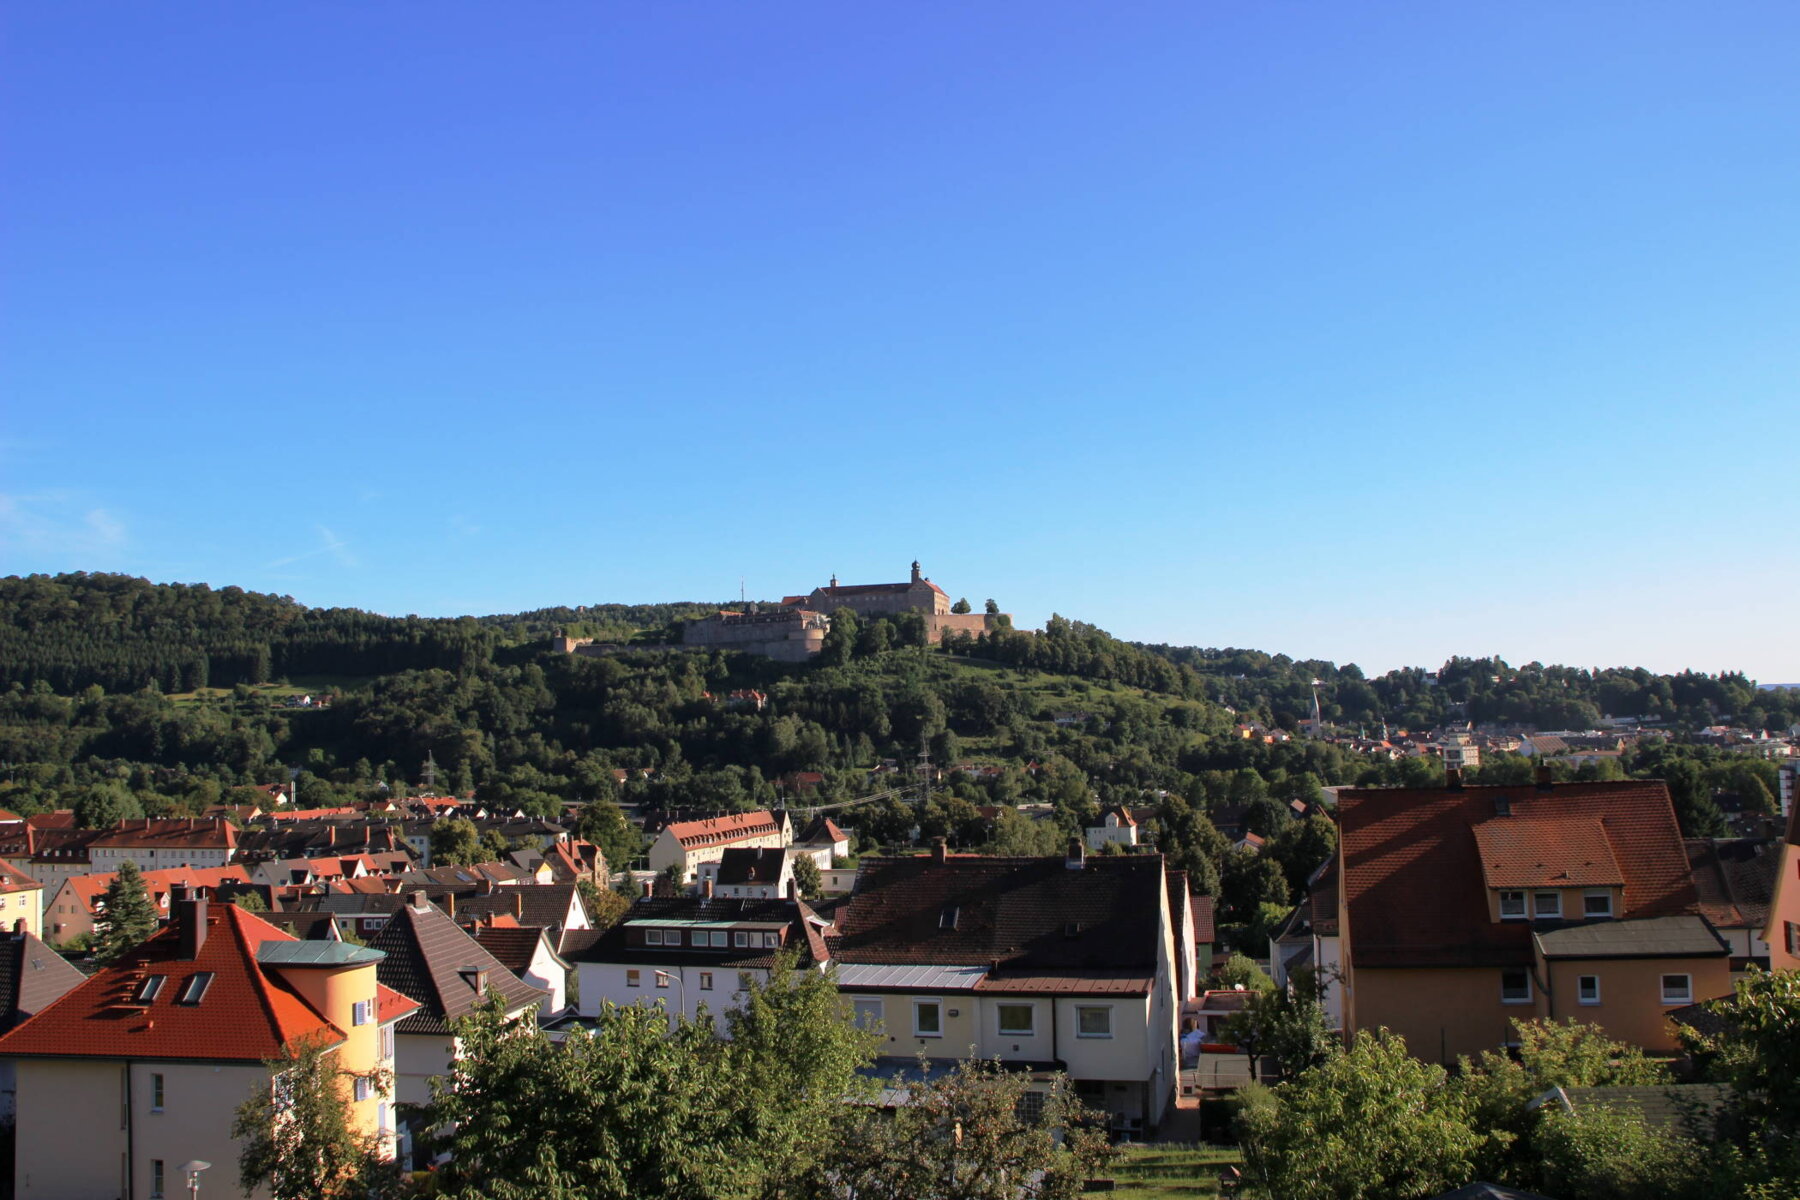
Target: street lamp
662	980
192	1170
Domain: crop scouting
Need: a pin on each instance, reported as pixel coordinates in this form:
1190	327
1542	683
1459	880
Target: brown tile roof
745	864
514	948
1414	883
13	880
1561	851
1735	879
434	962
183	833
1023	916
1204	910
247	1014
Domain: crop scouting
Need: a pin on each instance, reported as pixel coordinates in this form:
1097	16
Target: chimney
1453	779
518	903
19	927
1076	857
450	905
1544	781
939	850
793	890
187	908
706	889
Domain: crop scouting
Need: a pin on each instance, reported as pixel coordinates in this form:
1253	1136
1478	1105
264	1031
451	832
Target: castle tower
916	577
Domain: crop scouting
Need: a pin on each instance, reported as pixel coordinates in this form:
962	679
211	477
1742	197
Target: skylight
947	918
147	990
195	988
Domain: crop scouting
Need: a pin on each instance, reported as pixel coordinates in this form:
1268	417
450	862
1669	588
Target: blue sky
1363	331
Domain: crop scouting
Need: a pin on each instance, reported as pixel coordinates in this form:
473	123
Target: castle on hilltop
918	595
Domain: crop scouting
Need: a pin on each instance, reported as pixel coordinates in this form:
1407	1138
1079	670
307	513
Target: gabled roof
743	865
513	948
247	1013
1024	916
1735	879
1414	882
12	880
435	963
714	831
821	831
615	945
183	833
1548	852
546	904
87	889
32	977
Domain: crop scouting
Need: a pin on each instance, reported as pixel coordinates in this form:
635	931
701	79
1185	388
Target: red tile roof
89	888
12	880
716	830
190	833
1414	887
246	1015
1555	852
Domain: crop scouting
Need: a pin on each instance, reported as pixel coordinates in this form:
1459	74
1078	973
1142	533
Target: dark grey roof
307	926
316	954
741	865
1684	936
546	904
431	960
32	976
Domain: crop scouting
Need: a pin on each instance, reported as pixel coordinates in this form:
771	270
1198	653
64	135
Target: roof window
148	990
195	989
947	918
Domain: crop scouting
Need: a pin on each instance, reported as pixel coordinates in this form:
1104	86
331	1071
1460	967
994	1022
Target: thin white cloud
61	521
333	545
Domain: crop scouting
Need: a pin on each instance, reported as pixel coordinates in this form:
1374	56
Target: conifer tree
126	917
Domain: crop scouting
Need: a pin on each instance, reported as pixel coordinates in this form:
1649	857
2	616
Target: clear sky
1374	332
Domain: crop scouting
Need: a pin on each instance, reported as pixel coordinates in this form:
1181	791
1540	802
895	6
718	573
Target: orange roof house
1462	908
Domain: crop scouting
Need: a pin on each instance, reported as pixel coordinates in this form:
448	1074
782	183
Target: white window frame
1604	895
385	1041
937	1010
158	1091
1529	995
362	1012
1081	1011
1686	995
663	978
771	941
866	1006
1030	1027
740	939
362	1089
1538	911
653	937
721	940
1581	987
1513	916
706	981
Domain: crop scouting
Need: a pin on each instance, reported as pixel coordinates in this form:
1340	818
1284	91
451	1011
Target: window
156	1179
148	989
1597	904
195	988
364	1087
1546	904
1677	989
387	1041
740	939
663	978
947	918
362	1012
1587	989
706	981
1018	1020
633	977
771	941
866	1012
653	937
1093	1020
1793	937
928	1018
719	938
1512	906
156	1093
1515	986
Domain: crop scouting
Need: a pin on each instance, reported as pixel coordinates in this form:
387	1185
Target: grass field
298	686
1170	1171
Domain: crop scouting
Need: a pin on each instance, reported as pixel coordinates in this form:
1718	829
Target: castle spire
915	575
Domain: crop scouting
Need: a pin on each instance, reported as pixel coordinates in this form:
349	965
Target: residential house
155	843
32	977
824	841
71	912
428	958
1045	964
1308	941
684	845
1782	934
1117	827
1735	880
1461	908
174	1037
749	874
50	854
1204	909
691	951
525	950
21	899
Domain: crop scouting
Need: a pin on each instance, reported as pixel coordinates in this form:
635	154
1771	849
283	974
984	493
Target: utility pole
924	772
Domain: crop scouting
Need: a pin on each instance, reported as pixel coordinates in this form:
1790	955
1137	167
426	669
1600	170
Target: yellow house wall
1631	1007
26	905
1784	909
334	992
1441	1012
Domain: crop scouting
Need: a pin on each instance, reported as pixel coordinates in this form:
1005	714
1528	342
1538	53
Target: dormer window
1597	903
1512	906
1547	906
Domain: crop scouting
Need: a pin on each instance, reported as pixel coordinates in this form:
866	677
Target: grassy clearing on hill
1170	1171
